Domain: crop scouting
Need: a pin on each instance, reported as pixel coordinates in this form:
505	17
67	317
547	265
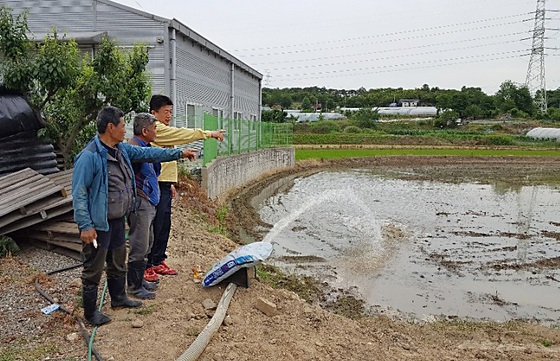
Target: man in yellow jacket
161	107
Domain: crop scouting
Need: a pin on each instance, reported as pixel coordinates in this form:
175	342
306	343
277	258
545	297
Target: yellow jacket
168	137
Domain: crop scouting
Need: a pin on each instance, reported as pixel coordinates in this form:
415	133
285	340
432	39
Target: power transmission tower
267	79
535	80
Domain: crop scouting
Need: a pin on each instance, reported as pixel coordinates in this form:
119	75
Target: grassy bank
335	153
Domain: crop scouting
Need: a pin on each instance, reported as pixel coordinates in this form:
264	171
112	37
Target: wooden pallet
54	233
27	198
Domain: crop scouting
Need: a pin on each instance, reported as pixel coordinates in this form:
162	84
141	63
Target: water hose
199	344
94	331
82	327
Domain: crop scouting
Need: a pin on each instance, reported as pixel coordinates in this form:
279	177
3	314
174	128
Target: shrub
352	129
324	127
447	119
7	246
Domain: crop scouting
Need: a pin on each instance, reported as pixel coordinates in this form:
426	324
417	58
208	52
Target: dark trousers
111	250
162	226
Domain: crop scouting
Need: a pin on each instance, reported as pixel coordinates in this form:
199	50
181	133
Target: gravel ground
21	318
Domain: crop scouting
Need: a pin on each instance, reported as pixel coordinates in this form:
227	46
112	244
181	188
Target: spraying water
422	247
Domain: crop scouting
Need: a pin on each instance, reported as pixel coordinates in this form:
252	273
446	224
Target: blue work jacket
90	179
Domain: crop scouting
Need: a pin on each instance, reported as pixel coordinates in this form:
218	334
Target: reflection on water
421	247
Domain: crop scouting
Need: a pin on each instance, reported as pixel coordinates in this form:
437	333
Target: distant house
409	102
198	75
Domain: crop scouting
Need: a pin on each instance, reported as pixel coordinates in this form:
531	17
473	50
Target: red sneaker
164	269
150	275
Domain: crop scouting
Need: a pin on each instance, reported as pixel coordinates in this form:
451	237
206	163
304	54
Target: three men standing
104	192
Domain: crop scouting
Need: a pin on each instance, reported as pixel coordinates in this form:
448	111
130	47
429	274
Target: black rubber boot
135	276
118	293
91	314
150	286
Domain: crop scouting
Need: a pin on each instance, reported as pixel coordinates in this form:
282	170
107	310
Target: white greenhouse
545	133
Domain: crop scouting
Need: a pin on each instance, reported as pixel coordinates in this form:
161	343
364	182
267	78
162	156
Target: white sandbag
245	256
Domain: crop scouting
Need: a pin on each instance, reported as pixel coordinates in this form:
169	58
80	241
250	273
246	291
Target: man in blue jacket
104	192
141	234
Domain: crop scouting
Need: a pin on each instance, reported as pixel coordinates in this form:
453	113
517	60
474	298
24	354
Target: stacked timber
61	231
39	208
28	198
54	233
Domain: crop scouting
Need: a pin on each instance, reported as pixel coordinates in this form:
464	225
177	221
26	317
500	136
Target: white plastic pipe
199	344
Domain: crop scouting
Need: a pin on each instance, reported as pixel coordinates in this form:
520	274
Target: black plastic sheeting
19	145
16	115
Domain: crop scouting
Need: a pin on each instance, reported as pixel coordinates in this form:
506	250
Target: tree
67	88
472	111
510	96
365	118
273	116
447	119
306	105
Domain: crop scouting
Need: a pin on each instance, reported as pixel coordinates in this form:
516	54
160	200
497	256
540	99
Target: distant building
300	117
409	102
412	111
545	134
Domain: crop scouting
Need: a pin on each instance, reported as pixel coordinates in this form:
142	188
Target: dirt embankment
300	330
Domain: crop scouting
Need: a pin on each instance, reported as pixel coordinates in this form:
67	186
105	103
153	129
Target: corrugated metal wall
124	26
201	77
67	16
129	28
203	69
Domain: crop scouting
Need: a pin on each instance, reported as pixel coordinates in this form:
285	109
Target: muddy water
423	249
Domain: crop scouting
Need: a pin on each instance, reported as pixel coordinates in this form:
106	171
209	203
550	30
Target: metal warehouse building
196	74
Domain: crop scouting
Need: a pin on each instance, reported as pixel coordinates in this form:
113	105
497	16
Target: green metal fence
244	136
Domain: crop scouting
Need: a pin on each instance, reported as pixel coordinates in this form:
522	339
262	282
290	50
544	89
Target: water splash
370	227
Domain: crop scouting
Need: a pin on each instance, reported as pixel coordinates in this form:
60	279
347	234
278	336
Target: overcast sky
373	44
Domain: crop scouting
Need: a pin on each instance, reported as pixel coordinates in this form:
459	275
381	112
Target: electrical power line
392	50
401	65
384	35
380	42
404	67
317	65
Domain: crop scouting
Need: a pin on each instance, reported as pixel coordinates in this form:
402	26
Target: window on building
195	115
237	116
219	113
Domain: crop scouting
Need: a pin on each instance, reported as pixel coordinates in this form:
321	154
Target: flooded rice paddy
423	248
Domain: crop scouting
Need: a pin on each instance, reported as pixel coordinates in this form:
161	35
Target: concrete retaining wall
225	174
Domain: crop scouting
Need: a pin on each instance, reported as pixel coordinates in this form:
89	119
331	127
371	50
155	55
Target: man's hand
218	134
189	153
173	192
88	235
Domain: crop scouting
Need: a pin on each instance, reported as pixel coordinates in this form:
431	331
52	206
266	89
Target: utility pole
535	80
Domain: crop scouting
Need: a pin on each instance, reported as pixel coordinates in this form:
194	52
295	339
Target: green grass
19	351
302	154
148	310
